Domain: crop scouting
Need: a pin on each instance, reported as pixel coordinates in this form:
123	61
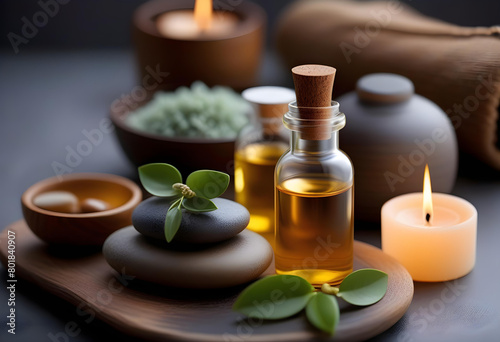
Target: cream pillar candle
436	241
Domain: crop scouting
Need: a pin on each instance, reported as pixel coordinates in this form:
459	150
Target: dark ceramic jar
392	134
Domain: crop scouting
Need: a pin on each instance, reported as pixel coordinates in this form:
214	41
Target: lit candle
200	23
432	235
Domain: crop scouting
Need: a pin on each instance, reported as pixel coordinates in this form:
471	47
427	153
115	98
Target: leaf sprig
164	180
281	296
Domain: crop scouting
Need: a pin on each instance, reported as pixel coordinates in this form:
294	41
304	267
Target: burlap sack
456	67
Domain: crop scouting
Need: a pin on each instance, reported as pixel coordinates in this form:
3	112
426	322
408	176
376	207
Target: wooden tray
159	313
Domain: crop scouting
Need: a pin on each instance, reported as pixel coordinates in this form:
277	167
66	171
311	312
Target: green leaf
158	179
364	287
323	312
173	221
274	297
198	204
208	183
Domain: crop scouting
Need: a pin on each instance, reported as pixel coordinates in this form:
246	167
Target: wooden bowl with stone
80	209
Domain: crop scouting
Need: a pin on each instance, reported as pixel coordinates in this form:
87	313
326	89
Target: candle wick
428	217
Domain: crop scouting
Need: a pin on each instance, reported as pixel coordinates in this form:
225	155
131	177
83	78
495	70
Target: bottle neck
299	146
272	126
315	131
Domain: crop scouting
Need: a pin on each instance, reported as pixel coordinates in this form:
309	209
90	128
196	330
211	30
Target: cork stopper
270	102
313	90
272	110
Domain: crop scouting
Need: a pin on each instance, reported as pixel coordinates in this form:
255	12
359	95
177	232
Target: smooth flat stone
214	226
232	262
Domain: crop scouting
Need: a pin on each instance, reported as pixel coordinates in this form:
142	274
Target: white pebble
91	205
59	201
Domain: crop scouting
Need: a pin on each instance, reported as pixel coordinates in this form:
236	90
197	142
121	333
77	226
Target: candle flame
203	14
428	210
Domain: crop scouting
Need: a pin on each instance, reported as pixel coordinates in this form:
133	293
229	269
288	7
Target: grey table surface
48	98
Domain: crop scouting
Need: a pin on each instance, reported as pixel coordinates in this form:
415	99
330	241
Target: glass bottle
314	231
258	148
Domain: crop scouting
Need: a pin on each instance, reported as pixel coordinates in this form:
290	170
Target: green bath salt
196	112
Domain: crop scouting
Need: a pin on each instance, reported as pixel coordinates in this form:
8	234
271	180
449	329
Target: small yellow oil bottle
314	230
258	148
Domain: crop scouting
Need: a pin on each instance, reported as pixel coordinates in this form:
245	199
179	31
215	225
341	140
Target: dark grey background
106	23
64	80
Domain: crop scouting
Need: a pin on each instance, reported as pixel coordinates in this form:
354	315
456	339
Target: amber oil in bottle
315	231
254	182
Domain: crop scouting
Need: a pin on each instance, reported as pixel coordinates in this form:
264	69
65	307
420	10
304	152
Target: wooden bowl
93	228
186	154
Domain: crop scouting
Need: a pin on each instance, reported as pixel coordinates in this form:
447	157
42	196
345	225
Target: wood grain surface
153	312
